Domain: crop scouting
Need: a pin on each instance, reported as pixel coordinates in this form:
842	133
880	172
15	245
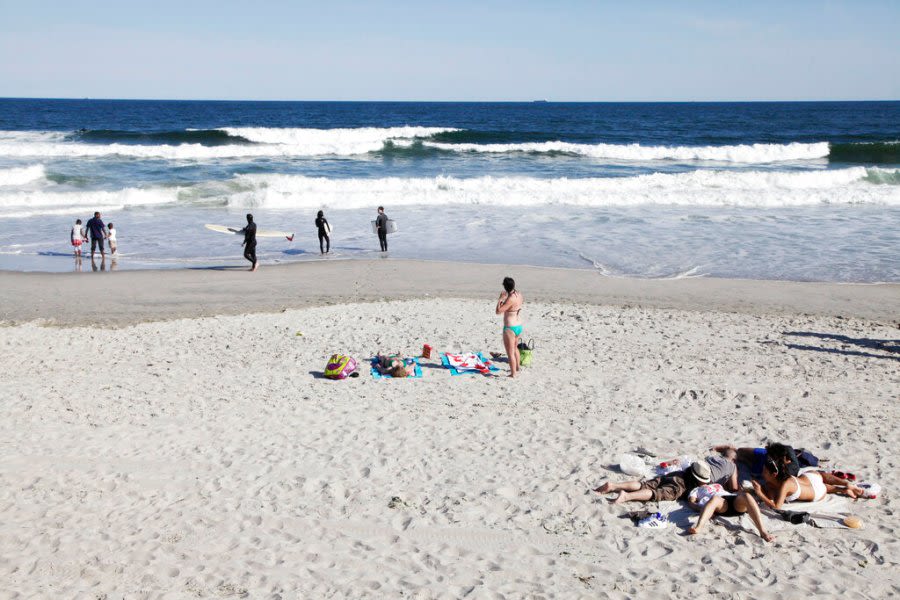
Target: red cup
426	351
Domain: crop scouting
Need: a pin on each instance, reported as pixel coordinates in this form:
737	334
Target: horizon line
532	101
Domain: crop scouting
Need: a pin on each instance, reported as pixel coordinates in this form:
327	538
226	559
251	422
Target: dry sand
206	457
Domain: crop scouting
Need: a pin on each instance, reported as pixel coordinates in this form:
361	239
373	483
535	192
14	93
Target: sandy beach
169	434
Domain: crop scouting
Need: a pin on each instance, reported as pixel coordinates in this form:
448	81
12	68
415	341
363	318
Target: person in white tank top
76	237
111	236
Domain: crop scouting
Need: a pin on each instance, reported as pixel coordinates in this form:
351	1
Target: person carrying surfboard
381	225
249	242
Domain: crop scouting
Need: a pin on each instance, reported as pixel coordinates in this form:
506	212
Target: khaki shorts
667	487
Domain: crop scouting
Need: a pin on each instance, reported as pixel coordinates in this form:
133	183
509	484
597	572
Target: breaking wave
31	203
21	175
855	185
240	142
256	142
747	154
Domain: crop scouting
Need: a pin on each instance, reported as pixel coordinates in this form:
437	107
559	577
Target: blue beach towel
457	371
377	375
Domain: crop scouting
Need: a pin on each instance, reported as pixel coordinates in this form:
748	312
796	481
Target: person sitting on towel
710	503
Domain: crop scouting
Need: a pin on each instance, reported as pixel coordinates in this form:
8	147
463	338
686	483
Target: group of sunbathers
777	465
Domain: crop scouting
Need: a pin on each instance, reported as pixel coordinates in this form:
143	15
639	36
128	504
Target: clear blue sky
451	50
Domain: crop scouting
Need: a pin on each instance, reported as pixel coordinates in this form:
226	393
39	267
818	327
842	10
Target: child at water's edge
77	237
111	236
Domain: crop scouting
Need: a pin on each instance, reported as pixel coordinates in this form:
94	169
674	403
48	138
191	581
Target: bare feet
255	267
603	489
693	530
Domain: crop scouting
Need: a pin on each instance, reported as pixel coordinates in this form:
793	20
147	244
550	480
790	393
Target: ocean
802	191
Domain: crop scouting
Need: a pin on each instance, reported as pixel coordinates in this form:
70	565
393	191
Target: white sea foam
21	175
287	142
43	202
702	188
746	153
312	142
697	188
268	142
31	136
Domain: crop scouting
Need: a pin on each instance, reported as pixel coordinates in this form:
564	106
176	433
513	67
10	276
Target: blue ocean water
798	191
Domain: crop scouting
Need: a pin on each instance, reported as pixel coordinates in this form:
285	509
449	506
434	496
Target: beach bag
525	353
807	458
340	366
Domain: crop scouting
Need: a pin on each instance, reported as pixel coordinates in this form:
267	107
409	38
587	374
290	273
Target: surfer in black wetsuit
323	227
381	226
250	242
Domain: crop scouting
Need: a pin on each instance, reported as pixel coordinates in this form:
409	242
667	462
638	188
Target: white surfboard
391	226
269	233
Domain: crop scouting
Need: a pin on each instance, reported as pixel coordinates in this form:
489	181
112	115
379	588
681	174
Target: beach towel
467	362
377	375
828	513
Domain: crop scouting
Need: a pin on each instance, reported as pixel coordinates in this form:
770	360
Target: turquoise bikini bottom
516	329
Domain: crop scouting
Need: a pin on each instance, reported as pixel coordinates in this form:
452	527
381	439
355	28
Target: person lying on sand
809	486
673	486
728	505
721	469
755	458
724	469
393	365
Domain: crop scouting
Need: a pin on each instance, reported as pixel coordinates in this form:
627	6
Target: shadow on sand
847	345
222	268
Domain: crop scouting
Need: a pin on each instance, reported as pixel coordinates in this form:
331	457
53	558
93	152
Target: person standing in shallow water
97	231
250	242
381	223
77	238
324	229
510	305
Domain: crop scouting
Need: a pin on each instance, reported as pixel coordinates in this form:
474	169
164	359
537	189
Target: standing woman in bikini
510	305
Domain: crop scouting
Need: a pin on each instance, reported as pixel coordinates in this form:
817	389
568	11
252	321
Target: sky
451	50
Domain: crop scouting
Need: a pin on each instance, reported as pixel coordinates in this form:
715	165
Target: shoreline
127	297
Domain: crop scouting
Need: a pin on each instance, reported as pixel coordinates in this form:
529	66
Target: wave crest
879	153
254	142
701	188
748	154
855	185
21	175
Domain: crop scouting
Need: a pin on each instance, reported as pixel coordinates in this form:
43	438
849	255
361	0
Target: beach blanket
467	362
827	513
377	375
